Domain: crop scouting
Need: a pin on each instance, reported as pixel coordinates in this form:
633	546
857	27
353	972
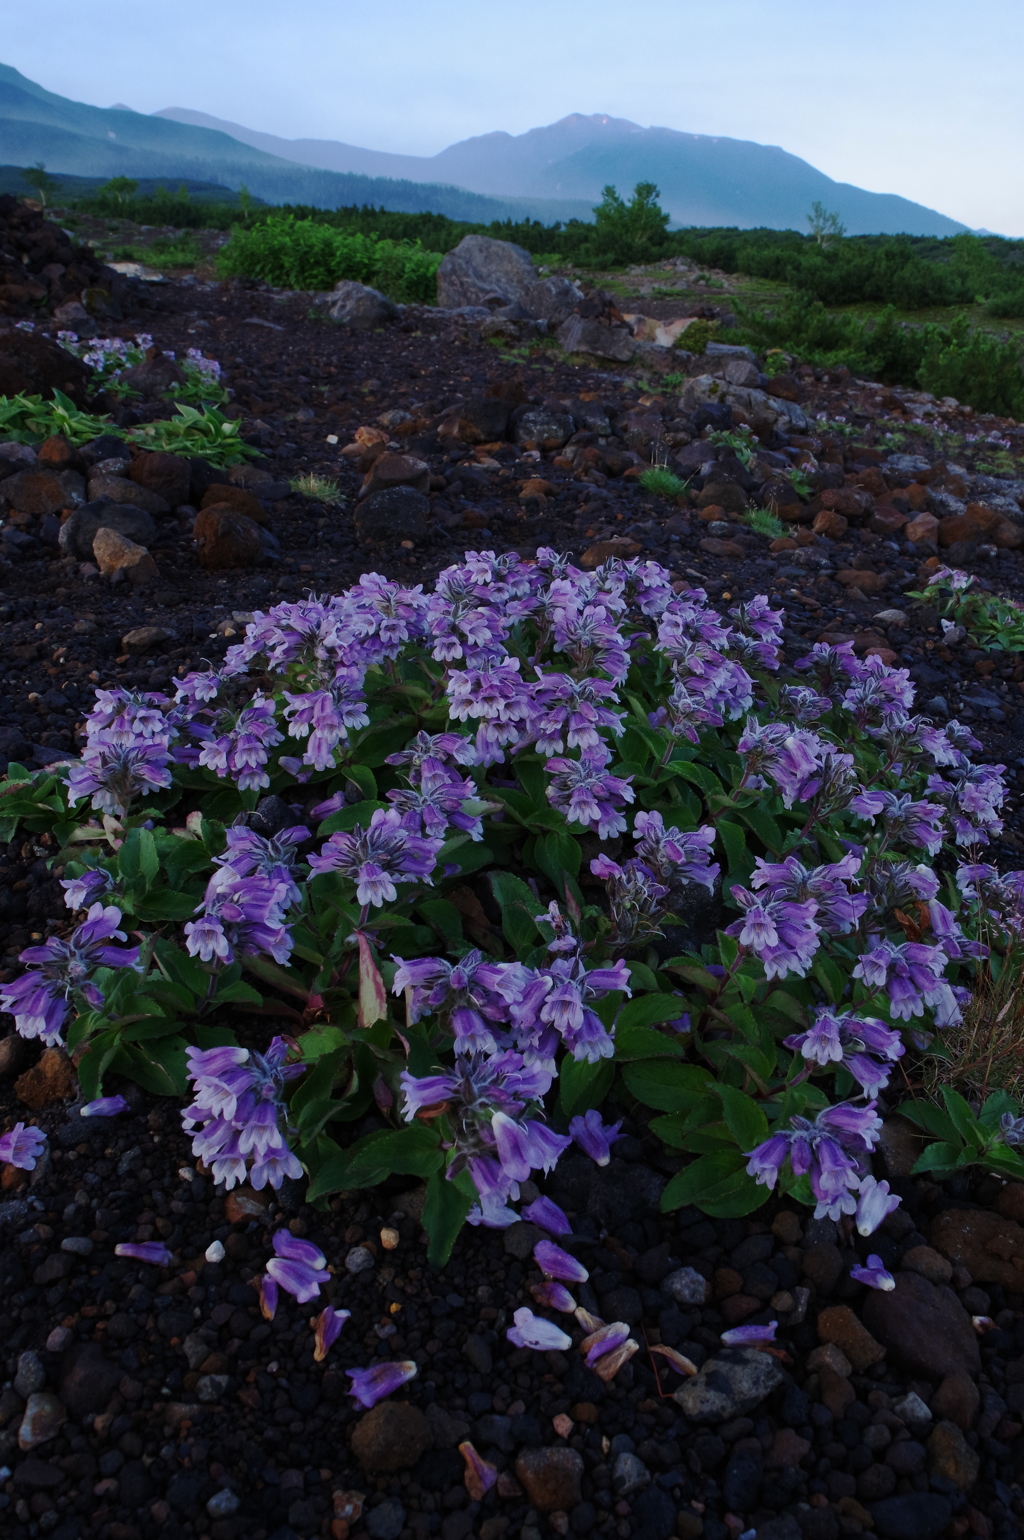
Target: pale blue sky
917	97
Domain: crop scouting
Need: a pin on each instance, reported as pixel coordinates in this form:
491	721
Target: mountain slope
72	137
703	179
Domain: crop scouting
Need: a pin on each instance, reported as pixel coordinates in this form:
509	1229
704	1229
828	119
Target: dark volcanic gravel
178	1411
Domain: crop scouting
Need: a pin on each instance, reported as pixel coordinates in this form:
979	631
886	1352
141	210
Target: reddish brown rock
226	539
44	491
830	524
243	1204
118	489
114	552
1007	535
391	1437
924	527
917	497
923	1325
30	364
53	1079
223	495
951	1457
839	1325
867	582
396	470
169	476
990	1247
887	521
1010	1202
721	548
605	550
551	1478
957	1400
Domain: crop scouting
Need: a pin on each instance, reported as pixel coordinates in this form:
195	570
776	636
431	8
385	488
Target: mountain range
550	173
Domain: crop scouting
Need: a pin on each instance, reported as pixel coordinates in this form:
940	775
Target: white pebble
214	1252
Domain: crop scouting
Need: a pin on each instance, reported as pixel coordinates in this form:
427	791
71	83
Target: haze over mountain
550	173
704	180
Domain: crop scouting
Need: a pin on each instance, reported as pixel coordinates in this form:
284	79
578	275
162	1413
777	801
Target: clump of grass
662	482
763	522
322	489
985	1052
697	335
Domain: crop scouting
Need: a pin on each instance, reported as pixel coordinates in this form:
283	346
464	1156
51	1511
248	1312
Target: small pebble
214	1252
78	1245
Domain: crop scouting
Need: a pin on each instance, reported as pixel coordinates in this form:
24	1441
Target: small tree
119	191
825	227
41	181
633	231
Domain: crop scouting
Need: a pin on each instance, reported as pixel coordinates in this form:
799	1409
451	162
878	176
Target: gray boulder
397	513
553	300
729	1385
79	531
482	271
580	335
118	489
356	305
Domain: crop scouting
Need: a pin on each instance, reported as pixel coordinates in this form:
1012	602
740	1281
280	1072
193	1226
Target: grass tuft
662	482
323	489
762	522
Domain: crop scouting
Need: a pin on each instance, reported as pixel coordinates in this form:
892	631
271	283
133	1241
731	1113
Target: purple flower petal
327	1328
295	1250
104	1107
268	1298
739	1335
298	1278
874	1274
533	1331
22	1147
549	1216
480	1474
605	1340
145	1251
554	1295
371	1385
556	1263
595	1137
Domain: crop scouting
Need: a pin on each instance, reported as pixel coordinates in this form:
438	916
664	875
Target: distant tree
825	227
245	202
633	231
119	191
40	180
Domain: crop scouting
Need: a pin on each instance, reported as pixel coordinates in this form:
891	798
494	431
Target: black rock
743	1477
653	1516
397	513
916	1516
611	1194
88	1379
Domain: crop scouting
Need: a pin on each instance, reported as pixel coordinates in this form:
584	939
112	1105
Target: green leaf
443	917
645	1010
644	1043
137	859
735	841
518	906
238	993
444	1213
937	1158
665	1084
829	977
930	1118
324	1038
166	904
764	826
747	1122
717	1184
962	1118
411	1151
582	1085
159	1067
699	775
558	855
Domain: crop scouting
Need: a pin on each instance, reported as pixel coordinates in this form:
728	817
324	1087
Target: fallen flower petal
327	1327
22	1147
590	1323
295	1250
594	1137
605	1340
874	1274
549	1216
534	1331
371	1385
609	1364
480	1475
743	1334
556	1263
983	1324
104	1107
145	1251
679	1361
555	1295
268	1298
298	1278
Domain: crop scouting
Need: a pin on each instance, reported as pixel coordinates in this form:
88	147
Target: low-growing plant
991	621
27	419
470	868
740	441
324	489
305	254
167	253
763	522
695	337
990	1137
110	357
662	482
204	432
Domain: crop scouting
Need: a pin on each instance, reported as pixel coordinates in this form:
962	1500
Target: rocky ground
138	1401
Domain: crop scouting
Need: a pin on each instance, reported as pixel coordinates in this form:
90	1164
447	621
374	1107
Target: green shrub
697	335
305	254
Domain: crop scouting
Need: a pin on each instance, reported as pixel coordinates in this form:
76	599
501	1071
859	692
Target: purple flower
555	1002
239	1100
784	935
918	823
591	639
442	798
375	858
589	795
548	1215
526	1147
243	914
874	1203
80	892
371	1385
533	1331
556	1263
676	856
240	746
491	691
299	1266
864	1045
830	1149
466	992
22	1146
874	1274
271	858
40	999
115	776
568	713
595	1137
327	1328
554	1295
838	911
326	717
911	974
154	1252
104	1107
737	1336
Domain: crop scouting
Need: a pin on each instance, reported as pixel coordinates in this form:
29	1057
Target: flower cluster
60	974
239	1103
